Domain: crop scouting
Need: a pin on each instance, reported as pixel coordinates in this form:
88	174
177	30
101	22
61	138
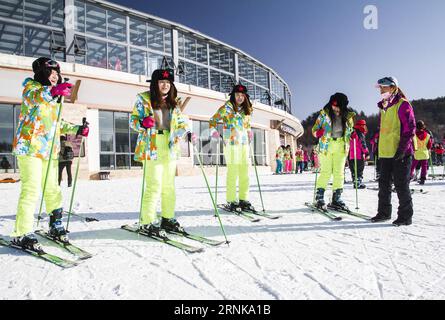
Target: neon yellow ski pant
159	183
237	160
333	164
32	177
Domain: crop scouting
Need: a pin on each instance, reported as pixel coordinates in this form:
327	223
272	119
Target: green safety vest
422	152
390	131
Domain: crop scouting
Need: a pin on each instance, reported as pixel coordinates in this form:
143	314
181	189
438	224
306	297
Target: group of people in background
287	162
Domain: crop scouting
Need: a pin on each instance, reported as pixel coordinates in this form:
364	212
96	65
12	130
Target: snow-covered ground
299	256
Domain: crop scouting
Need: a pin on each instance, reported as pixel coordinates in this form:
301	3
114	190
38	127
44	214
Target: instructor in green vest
395	150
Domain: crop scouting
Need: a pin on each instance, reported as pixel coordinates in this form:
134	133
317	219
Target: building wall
102	89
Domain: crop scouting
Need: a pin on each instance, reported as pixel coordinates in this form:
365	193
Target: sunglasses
52	64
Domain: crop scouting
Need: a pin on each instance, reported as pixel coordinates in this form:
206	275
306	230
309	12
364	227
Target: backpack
68	153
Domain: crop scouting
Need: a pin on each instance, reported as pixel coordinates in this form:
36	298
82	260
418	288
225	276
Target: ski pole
60	102
87	219
257	178
84	122
143	176
211	195
355	175
217	165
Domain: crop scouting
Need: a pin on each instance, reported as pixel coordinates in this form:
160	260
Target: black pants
68	171
399	171
360	168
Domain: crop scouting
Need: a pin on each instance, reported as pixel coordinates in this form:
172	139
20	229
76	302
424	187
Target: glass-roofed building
109	51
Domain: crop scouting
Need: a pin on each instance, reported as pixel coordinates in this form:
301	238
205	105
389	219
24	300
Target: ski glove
147	122
250	136
215	134
319	133
83	130
63	89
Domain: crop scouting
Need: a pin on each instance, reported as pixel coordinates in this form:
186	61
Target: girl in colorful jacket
235	115
299	159
287	159
158	119
358	152
423	142
333	128
36	131
397	130
279	156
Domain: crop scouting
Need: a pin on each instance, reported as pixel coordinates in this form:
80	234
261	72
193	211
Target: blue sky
320	47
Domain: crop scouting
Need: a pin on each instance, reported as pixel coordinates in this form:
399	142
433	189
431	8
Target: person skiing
299	158
423	142
397	130
305	160
333	128
279	155
287	159
235	115
65	159
358	152
37	128
315	162
158	119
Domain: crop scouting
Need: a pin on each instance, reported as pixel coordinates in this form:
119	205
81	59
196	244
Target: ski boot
319	199
56	228
360	184
232	207
246	206
337	202
171	225
402	222
28	242
421	181
154	229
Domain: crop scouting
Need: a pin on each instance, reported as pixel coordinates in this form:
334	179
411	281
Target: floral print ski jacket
236	125
37	123
324	122
179	126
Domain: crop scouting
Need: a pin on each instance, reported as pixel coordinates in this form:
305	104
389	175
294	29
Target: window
138	32
12	9
79	16
38	11
11	39
261	77
221	82
154	62
203	77
80	45
97	53
221	59
259	147
96	21
117	26
58	41
8	124
138	61
207	147
189	76
155	37
246	69
117	57
117	141
37	42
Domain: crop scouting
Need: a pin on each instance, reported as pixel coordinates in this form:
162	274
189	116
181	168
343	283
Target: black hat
42	68
162	74
239	88
420	125
340	100
43	63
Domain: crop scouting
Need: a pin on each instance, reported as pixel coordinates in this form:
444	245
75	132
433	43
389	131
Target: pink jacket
360	145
